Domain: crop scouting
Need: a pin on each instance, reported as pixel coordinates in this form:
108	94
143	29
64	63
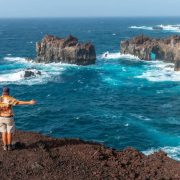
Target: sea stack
146	48
65	50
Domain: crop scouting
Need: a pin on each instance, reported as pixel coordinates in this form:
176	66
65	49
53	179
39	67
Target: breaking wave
18	78
17	59
159	71
172	28
19	65
155	71
141	27
173	152
161	27
107	55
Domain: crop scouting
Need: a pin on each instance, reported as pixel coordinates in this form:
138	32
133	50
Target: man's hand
32	102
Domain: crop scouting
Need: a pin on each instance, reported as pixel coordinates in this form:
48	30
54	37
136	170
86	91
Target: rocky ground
39	157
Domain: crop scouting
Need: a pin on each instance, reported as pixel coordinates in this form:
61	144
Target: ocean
120	101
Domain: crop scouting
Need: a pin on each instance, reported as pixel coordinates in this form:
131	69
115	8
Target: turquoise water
120	101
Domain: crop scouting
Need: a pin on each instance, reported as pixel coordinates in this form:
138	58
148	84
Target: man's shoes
10	147
5	147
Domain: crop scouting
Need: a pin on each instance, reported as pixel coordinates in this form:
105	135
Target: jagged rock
67	50
31	73
147	48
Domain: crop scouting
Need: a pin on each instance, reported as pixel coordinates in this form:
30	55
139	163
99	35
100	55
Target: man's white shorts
7	124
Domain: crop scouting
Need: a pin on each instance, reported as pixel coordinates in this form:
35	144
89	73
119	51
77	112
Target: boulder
68	50
146	48
31	73
157	28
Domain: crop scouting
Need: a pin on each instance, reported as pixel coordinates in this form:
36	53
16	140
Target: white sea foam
173	152
171	28
48	71
117	55
141	27
108	55
17	59
126	125
140	117
160	71
30	42
32	62
17	77
129	56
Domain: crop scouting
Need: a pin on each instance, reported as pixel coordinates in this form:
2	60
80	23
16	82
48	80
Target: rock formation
41	157
146	48
157	28
67	50
31	73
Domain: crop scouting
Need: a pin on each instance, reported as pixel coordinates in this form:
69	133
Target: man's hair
6	90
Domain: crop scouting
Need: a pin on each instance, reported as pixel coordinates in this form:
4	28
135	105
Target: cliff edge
41	157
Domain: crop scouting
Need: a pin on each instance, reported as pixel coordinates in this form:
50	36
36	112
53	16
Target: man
7	125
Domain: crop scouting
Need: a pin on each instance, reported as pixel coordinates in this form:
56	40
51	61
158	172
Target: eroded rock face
67	50
147	48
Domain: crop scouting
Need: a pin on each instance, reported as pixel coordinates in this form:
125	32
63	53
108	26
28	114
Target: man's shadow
50	144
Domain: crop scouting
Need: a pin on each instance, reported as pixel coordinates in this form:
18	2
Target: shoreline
43	157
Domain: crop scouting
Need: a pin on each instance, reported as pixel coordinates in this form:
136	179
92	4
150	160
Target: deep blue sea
120	101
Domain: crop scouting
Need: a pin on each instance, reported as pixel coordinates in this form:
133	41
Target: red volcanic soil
40	157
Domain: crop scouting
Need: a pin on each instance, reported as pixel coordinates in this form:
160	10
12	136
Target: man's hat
6	90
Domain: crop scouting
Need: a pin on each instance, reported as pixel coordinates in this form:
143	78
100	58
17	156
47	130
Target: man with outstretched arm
7	125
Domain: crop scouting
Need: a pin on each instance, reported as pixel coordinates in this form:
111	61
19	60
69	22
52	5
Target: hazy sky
88	8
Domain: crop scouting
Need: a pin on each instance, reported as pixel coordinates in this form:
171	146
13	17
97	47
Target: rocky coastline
65	50
41	157
147	48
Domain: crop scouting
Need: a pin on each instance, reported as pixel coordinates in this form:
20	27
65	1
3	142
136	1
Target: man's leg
4	138
9	138
10	132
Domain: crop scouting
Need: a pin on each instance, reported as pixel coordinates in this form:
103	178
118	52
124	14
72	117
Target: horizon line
88	17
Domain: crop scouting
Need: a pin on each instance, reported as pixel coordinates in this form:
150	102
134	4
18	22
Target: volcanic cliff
65	50
146	48
40	157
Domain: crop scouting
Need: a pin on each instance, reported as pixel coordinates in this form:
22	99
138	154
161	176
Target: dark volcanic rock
177	66
151	49
68	50
157	28
31	73
40	157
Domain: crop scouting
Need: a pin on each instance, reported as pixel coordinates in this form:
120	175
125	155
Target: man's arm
32	102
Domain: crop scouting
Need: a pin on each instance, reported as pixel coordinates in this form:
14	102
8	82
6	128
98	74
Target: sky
88	8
